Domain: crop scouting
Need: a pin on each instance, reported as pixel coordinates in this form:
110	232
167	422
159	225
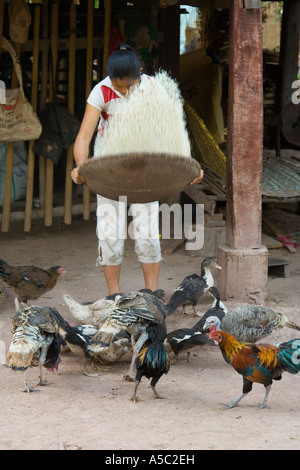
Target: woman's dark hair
123	63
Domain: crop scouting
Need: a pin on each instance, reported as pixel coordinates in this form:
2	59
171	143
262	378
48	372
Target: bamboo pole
106	38
1	23
88	86
49	163
43	98
9	165
71	99
34	91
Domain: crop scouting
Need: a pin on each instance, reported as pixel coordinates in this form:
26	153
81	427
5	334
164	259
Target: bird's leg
264	403
42	381
27	387
247	387
130	376
235	402
17	304
85	368
157	395
153	384
134	397
138	345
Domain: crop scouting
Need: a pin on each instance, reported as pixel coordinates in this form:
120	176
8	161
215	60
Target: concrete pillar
243	259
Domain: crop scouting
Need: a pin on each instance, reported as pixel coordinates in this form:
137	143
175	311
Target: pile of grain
152	120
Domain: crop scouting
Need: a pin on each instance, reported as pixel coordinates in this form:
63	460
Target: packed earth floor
80	412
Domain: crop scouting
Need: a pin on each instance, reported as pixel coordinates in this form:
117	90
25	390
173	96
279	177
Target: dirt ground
80	412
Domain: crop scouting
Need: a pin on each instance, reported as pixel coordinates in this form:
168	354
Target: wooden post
9	165
1	23
34	90
43	97
88	86
71	97
49	163
243	259
107	21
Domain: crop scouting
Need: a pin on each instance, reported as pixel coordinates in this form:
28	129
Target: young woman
124	72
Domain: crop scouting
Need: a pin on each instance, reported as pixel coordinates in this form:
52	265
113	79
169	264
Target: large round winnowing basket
141	177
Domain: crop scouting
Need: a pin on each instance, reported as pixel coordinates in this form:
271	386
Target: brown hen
29	282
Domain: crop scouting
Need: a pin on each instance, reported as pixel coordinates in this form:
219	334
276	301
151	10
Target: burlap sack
18	121
19	20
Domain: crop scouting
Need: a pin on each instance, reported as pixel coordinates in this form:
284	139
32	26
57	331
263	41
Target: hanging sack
18	121
49	144
60	129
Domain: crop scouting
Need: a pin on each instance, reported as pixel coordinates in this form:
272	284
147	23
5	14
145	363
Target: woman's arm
81	145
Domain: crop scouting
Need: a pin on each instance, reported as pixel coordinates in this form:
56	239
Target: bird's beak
217	266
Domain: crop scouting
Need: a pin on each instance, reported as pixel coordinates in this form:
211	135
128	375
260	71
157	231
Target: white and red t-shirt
108	100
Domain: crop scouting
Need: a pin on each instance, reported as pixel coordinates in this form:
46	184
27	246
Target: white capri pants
112	231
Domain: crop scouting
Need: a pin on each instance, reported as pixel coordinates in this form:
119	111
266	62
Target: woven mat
281	177
142	177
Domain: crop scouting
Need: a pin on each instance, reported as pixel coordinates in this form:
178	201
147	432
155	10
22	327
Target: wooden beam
43	97
34	92
9	165
106	35
88	87
71	107
243	258
49	163
245	129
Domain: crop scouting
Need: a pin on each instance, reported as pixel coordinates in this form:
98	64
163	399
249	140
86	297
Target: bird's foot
156	394
29	389
259	406
128	378
91	374
43	383
229	405
135	399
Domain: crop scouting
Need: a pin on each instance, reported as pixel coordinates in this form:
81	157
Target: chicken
257	363
184	340
250	323
140	314
81	342
152	362
192	287
217	309
35	338
29	282
95	313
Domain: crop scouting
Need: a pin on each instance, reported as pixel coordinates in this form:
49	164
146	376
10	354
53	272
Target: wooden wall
76	34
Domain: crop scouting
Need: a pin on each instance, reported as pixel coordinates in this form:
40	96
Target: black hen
140	314
184	340
35	340
192	287
152	362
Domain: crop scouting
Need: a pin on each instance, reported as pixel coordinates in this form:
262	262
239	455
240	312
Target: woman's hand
76	177
198	179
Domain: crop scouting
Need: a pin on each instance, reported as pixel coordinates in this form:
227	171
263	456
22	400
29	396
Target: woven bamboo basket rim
141	177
